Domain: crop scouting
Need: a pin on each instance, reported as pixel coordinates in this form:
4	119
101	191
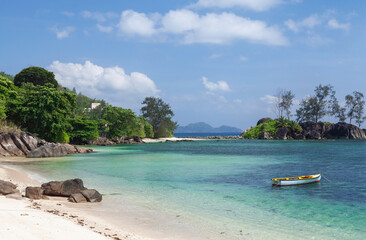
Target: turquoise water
226	184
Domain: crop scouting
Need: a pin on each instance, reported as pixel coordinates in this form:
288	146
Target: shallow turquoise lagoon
226	184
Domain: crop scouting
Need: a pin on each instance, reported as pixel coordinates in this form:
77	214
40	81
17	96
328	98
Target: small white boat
296	180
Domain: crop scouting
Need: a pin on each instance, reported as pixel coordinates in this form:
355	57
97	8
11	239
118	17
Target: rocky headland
28	145
316	131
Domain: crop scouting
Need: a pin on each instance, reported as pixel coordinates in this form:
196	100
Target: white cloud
334	24
309	22
219	86
134	23
106	29
226	27
111	83
256	5
194	28
180	21
64	32
269	99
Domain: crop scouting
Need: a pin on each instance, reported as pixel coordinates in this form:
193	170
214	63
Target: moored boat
296	180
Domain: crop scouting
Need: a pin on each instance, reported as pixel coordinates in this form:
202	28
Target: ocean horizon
182	135
225	186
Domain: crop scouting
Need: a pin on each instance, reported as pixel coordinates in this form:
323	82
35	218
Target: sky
216	61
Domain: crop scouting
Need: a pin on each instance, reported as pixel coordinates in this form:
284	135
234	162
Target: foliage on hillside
159	115
272	127
8	76
38	104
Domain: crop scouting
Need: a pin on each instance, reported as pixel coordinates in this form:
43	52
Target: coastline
85	220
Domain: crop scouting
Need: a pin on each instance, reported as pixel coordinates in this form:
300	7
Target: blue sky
218	61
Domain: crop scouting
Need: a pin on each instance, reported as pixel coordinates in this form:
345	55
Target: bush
82	130
36	76
272	127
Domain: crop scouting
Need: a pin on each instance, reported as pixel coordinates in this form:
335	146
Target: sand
50	219
170	139
56	218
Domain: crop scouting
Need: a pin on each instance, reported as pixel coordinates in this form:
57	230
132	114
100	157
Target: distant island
202	127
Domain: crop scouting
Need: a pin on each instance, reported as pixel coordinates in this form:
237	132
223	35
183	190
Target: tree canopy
36	76
159	115
44	111
317	106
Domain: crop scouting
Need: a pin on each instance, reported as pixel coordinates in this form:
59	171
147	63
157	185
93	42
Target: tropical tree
316	107
355	105
159	115
43	111
82	130
36	76
121	122
283	103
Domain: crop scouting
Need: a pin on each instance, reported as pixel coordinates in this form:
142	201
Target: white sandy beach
56	218
170	139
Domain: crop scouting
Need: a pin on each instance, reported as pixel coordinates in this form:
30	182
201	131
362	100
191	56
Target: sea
182	135
226	184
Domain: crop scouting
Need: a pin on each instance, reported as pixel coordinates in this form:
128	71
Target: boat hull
297	181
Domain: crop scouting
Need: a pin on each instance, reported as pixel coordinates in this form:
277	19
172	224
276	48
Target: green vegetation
272	126
81	130
42	110
159	115
8	76
36	76
37	103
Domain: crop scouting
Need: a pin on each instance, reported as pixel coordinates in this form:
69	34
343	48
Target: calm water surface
226	184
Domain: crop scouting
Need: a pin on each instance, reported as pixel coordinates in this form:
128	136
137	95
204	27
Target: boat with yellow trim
296	180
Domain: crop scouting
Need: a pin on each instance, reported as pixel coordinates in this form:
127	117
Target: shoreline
134	222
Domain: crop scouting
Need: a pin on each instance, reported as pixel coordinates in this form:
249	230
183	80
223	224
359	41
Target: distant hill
202	127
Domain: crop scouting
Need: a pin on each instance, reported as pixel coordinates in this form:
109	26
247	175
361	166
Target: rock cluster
102	141
319	131
73	189
27	144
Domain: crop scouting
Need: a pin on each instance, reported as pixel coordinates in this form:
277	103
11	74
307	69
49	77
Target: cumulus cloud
219	86
213	28
111	83
256	5
334	24
309	22
134	23
62	33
